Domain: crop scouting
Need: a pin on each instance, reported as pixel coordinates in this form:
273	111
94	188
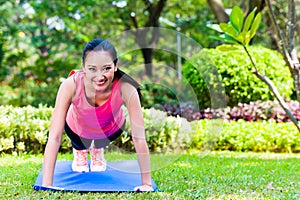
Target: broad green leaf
228	29
255	25
228	48
231	39
215	27
224	38
247	37
237	18
218	38
241	39
248	21
244	37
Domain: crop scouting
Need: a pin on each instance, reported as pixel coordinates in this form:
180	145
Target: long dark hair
100	44
126	78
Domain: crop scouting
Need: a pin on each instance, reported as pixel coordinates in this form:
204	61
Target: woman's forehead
99	57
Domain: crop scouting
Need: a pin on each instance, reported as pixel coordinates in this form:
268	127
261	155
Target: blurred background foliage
240	84
41	41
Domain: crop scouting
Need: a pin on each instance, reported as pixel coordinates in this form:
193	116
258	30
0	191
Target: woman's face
99	70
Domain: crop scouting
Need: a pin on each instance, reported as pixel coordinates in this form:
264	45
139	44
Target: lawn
214	175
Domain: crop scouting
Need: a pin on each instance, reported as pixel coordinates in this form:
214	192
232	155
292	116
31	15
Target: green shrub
26	130
234	69
160	88
163	87
23	129
263	136
155	95
163	133
31	92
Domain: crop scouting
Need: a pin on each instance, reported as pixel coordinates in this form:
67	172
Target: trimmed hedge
25	130
263	136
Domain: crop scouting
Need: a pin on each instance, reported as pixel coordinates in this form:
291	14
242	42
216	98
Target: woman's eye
107	68
92	69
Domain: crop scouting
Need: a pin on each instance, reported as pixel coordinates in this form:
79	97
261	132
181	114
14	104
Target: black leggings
80	143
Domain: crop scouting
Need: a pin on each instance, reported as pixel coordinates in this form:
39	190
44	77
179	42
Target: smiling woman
89	108
99	73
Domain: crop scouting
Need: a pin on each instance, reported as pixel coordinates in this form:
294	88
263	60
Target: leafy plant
240	86
31	92
239	32
163	133
260	136
253	111
25	130
236	31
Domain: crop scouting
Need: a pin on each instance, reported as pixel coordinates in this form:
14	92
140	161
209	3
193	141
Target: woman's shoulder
126	86
128	91
73	71
75	76
68	83
76	73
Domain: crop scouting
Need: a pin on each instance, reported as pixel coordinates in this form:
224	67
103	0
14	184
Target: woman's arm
63	101
131	99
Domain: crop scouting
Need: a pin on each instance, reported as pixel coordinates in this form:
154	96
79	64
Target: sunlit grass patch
216	175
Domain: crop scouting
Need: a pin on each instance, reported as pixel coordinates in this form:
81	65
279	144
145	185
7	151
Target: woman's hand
143	188
52	188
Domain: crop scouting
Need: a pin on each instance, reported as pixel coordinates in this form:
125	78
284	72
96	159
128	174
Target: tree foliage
240	31
40	41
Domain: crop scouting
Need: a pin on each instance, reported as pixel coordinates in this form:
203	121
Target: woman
89	108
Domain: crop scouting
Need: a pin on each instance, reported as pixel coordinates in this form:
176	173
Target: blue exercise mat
120	176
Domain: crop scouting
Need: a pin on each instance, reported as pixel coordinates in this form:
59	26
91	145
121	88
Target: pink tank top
92	122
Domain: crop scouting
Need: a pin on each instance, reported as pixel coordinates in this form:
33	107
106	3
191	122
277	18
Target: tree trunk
282	103
274	90
288	50
147	55
258	4
147	45
218	10
291	29
147	36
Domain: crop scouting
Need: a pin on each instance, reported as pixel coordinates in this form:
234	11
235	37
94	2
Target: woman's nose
100	74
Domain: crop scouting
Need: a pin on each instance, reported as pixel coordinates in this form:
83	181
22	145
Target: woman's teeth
100	82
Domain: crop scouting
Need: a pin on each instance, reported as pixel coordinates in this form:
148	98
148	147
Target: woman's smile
100	83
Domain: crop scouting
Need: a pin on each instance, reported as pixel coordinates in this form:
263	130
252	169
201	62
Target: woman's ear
82	67
116	65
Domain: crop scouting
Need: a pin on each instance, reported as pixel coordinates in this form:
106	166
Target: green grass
217	175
